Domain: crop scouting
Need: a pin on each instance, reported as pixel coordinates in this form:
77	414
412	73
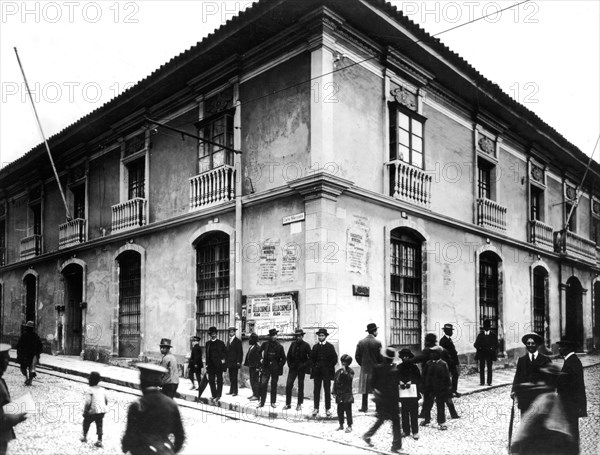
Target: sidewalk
129	378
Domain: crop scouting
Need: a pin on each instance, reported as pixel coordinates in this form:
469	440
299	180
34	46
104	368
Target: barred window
212	282
488	289
405	257
129	303
539	300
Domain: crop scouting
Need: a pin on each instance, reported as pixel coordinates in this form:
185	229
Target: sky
77	55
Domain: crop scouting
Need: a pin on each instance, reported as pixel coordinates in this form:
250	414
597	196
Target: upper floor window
484	179
571	216
78	201
406	136
136	182
536	204
36	211
217	128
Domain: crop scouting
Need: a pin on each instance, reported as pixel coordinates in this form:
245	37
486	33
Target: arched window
212	284
488	288
406	289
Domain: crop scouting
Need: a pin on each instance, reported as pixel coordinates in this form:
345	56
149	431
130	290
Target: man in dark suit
215	364
273	360
299	363
368	356
486	345
195	364
525	386
7	421
324	359
571	387
233	360
452	357
253	361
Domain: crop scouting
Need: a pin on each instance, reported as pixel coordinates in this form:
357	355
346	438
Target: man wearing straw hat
528	373
169	362
7	421
368	356
152	418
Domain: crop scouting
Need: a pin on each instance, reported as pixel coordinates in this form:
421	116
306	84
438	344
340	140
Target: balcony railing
541	234
212	187
409	183
129	214
31	246
71	233
490	214
568	242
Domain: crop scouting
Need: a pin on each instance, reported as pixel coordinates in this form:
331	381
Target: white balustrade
71	233
129	214
490	214
409	183
212	187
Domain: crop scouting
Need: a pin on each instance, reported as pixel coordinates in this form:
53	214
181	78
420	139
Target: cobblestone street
482	429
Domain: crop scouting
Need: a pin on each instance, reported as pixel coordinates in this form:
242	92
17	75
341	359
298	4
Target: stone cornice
320	185
406	68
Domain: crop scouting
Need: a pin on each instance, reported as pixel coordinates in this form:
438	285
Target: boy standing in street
168	361
94	407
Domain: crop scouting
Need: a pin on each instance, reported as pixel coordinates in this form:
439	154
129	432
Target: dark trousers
195	373
87	421
344	408
264	383
482	364
169	389
365	401
325	382
255	381
440	403
397	437
233	380
289	385
451	407
410	411
428	399
215	380
454	375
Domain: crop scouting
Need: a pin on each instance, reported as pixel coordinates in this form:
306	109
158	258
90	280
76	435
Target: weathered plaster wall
512	194
275	125
103	193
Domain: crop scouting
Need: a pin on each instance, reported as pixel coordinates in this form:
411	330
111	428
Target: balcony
408	183
571	244
541	234
212	187
491	215
71	233
129	214
31	246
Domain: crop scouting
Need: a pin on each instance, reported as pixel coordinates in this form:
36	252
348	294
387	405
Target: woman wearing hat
368	356
324	359
528	372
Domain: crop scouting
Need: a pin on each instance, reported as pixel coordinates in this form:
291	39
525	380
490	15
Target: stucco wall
103	192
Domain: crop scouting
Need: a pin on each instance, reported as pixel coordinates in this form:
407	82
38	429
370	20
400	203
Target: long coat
273	357
385	382
528	372
195	362
215	355
28	347
235	354
253	356
324	359
486	346
436	378
571	391
150	421
368	356
298	356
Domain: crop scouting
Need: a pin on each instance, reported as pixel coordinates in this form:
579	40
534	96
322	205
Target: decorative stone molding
570	192
594	206
402	96
486	144
320	185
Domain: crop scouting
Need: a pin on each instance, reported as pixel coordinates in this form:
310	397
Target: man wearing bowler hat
486	345
153	418
169	362
299	363
273	360
233	360
368	356
215	364
528	373
571	387
253	361
451	357
7	421
324	359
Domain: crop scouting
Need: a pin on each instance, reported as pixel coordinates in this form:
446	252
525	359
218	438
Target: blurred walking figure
169	362
486	345
571	389
452	357
385	388
153	418
324	359
253	360
7	421
94	407
437	384
299	363
368	355
410	378
195	364
342	391
527	375
544	428
29	348
233	360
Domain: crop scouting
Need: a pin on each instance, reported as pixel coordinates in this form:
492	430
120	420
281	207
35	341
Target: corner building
314	163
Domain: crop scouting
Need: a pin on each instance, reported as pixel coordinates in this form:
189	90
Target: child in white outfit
94	407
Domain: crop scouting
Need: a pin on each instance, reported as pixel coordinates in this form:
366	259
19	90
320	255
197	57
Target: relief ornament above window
404	97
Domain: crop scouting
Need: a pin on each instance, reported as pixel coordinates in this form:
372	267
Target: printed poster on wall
289	263
268	262
357	237
271	311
